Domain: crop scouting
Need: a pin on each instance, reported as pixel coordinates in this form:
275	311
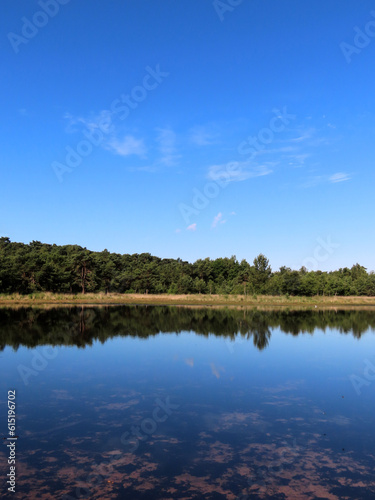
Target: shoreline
42	299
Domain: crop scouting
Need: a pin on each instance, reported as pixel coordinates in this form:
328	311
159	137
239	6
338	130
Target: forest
40	267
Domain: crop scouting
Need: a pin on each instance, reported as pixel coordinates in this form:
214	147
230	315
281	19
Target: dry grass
199	300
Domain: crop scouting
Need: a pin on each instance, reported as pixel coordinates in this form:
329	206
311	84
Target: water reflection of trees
81	326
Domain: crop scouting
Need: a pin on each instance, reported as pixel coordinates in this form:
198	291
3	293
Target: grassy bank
203	300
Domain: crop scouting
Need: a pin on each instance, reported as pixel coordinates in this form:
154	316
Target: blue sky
191	129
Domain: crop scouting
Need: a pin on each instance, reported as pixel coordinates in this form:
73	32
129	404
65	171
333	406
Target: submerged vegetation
34	268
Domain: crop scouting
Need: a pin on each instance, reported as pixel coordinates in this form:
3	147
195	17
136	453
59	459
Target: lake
157	402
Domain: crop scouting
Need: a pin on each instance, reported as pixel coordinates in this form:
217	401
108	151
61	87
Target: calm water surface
137	402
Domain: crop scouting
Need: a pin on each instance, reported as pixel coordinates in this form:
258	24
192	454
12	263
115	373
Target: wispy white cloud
167	152
299	147
304	136
217	219
192	227
129	145
151	169
71	123
101	120
102	128
339	177
201	136
167	147
237	171
313	181
283	149
298	159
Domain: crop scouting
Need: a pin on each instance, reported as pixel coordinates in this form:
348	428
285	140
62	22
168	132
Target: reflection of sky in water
284	422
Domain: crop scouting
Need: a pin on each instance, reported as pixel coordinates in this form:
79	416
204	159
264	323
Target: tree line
40	267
